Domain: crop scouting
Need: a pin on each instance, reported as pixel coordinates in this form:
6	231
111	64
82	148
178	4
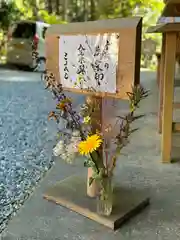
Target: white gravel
26	138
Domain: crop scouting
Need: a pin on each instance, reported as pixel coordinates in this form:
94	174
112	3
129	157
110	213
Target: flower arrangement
77	136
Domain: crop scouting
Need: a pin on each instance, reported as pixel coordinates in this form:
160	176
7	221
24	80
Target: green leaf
88	163
91	179
138	116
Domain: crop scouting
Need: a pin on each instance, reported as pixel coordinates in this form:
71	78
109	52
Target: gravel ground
25	142
140	167
26	138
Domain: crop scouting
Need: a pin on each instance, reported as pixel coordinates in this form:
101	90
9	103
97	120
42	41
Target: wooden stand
71	193
166	74
166	86
92	190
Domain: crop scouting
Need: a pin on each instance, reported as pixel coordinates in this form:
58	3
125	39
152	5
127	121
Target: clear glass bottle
105	197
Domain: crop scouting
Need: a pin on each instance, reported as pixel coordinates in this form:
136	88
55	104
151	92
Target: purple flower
73	78
57	101
81	120
59	98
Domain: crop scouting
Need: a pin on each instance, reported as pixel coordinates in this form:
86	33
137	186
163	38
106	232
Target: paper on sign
89	61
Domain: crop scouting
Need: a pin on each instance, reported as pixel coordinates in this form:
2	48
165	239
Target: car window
44	32
24	30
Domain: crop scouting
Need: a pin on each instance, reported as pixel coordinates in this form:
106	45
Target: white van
21	37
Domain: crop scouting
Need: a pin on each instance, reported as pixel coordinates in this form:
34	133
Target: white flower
72	148
75	139
60	145
76	133
59	148
55	152
64	156
75	136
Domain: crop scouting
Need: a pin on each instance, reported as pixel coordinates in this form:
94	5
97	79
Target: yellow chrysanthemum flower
90	144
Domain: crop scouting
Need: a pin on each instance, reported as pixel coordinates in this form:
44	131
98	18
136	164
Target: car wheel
40	65
11	66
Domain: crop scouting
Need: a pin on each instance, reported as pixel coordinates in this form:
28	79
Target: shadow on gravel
14	67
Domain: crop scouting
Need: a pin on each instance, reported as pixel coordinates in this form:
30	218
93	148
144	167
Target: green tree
58	11
8	14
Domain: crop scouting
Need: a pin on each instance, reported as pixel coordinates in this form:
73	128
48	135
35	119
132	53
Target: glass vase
105	197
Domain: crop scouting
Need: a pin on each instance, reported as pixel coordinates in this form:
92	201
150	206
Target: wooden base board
71	193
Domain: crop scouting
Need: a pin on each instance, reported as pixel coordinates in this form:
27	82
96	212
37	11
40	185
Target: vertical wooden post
158	55
96	122
168	95
161	84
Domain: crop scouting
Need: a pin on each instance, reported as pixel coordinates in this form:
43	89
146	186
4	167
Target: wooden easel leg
168	95
92	190
161	85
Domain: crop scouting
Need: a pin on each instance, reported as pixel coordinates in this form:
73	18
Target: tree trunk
85	10
93	10
57	7
76	8
66	17
34	4
49	6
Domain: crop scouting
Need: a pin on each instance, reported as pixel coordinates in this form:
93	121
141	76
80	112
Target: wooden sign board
105	54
